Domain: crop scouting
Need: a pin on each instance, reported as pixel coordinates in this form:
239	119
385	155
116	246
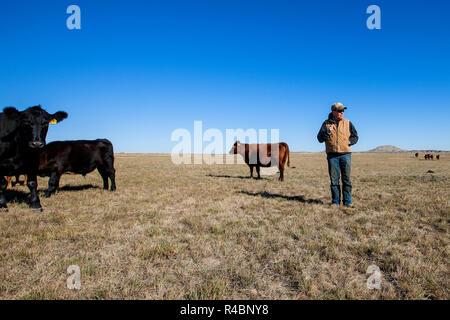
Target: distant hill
387	149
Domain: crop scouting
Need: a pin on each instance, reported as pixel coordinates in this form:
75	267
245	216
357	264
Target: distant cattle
263	155
22	136
416	155
12	184
437	157
79	157
427	156
431	156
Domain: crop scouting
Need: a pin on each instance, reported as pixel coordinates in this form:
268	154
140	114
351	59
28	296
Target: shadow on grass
78	188
17	196
268	195
235	177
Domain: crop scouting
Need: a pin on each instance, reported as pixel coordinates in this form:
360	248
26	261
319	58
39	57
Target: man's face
338	115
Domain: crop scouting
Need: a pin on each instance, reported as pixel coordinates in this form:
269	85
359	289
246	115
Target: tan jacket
339	137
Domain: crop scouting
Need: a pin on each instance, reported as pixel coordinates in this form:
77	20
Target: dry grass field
210	232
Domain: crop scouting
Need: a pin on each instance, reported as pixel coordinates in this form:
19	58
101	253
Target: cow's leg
3	186
53	184
112	176
281	168
103	172
281	164
251	171
108	172
57	182
109	168
35	204
8	182
258	172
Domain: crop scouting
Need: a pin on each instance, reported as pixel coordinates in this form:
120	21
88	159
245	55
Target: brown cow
427	156
431	156
417	154
437	157
261	155
12	184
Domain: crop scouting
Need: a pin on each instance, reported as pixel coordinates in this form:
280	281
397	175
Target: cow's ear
58	116
11	112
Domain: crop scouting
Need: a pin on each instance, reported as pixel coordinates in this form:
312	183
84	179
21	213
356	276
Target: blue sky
138	70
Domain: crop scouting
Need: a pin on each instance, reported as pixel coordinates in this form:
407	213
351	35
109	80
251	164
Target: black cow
80	157
22	136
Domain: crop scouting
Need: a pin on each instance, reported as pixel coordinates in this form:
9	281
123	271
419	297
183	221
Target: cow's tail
287	153
288	156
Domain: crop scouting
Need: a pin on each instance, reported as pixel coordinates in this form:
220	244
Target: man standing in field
339	134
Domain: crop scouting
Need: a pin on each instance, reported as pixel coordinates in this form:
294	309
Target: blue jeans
339	163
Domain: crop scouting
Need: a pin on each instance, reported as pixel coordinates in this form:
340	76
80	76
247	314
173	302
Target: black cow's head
33	124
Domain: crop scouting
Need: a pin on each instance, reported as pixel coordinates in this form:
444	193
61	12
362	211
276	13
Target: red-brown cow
263	155
12	184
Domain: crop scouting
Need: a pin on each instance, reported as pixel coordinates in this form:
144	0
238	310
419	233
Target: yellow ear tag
239	144
53	121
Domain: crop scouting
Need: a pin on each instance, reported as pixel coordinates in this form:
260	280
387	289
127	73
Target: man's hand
325	131
330	128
